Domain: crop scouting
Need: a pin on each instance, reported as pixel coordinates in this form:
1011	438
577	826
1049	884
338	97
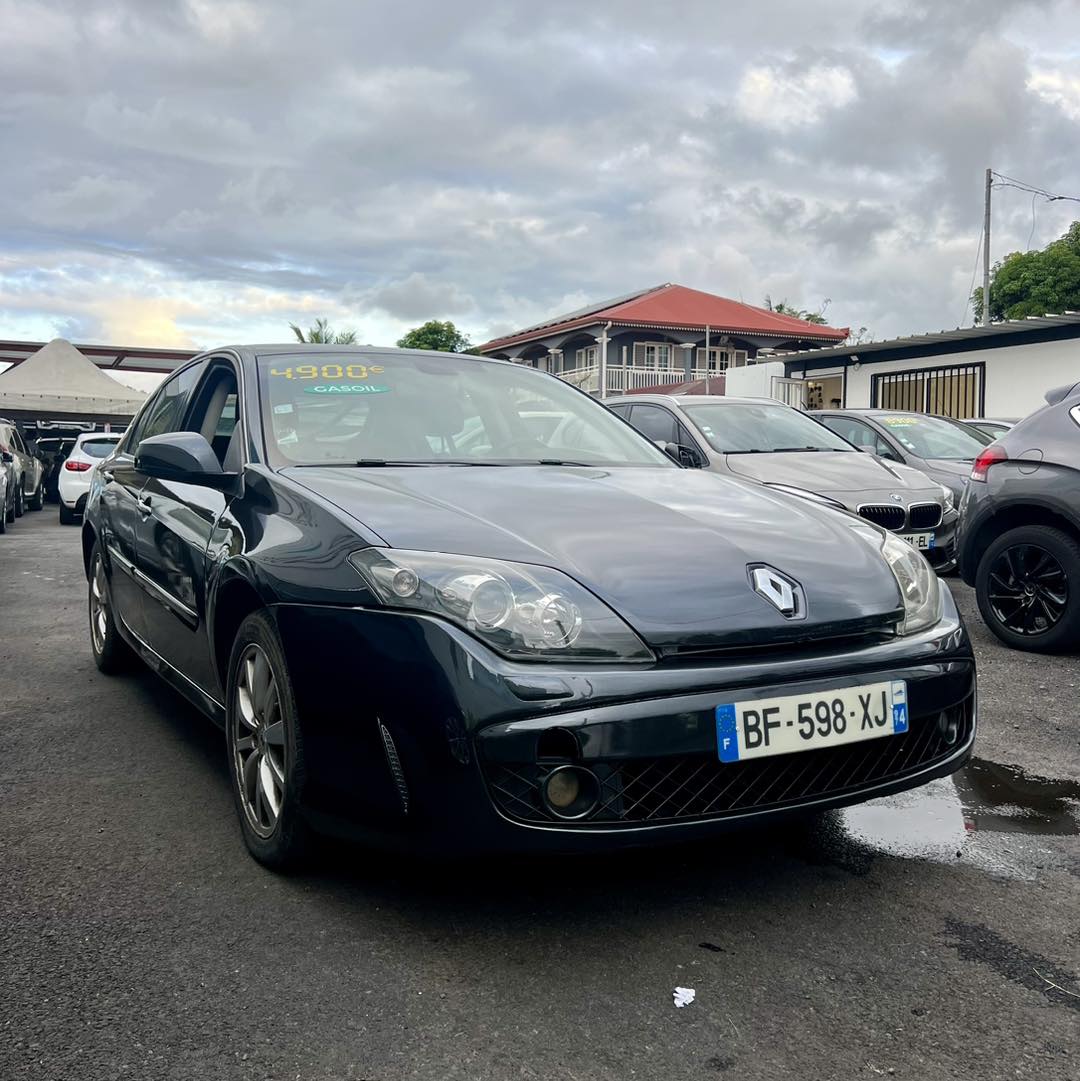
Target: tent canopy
58	379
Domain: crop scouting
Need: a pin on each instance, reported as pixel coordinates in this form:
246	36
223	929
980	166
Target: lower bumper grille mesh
685	787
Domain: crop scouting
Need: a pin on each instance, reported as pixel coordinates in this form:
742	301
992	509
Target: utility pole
986	252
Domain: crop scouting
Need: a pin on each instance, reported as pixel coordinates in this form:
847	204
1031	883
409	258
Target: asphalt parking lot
935	935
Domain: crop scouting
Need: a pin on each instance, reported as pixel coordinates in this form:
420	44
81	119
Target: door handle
144	504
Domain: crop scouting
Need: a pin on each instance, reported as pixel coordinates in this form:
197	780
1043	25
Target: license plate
922	541
801	722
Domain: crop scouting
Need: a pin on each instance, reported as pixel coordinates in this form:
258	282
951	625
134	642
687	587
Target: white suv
78	468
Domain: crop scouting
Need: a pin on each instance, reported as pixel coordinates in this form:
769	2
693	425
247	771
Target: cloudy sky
196	172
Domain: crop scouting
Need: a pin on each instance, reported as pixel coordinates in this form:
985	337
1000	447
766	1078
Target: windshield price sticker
328	372
900	422
801	722
346	388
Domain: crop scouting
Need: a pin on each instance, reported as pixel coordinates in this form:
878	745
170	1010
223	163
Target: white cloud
771	97
1058	88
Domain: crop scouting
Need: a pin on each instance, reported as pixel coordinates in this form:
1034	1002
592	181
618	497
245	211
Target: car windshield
98	448
344	408
932	437
752	427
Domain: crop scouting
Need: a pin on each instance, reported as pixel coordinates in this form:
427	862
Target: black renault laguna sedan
453	602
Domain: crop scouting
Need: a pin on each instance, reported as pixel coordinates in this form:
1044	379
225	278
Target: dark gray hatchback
1019	532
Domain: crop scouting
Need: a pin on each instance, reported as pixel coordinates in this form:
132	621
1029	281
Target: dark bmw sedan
423	618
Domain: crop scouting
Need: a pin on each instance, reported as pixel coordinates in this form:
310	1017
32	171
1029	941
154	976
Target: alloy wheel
259	741
99	606
1028	590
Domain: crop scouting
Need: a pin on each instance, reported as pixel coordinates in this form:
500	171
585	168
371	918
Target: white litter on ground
683	996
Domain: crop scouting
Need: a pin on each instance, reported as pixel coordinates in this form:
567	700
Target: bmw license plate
923	541
800	722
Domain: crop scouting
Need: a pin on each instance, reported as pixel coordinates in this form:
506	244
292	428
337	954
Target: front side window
743	428
655	422
165	411
432	410
862	435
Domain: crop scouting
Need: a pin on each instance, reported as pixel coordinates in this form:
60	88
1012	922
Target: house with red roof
665	335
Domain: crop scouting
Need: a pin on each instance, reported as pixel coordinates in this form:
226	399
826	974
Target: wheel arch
1012	516
89	539
235	598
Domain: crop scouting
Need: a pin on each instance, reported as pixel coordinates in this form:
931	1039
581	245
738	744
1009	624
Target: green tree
443	336
1040	282
321	334
782	307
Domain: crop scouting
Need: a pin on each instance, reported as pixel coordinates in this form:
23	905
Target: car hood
667	549
833	474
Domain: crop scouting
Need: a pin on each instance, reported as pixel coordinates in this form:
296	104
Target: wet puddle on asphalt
999	817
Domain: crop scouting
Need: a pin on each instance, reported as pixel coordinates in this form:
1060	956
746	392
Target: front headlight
917	581
519	610
947	494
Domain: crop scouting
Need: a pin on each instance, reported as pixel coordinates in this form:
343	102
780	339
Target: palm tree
321	334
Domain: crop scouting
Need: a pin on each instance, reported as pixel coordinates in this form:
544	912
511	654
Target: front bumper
415	734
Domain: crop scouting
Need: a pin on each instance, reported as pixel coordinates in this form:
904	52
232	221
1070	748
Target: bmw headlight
520	610
947	495
917	581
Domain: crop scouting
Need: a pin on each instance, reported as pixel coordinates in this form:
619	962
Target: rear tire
111	653
3	519
37	500
1039	566
20	500
265	747
67	516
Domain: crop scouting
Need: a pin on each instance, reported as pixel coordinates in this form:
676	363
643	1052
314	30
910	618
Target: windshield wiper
775	450
557	461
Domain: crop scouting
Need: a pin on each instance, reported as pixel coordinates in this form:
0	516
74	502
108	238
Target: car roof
87	437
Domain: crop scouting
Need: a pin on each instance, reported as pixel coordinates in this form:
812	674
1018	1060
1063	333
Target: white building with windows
1003	370
662	336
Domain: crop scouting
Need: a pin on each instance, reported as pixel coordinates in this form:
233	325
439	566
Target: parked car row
55	469
22	482
1015	487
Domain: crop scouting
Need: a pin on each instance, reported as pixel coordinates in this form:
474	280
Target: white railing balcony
621	378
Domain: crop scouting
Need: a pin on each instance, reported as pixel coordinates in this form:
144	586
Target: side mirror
7	457
182	456
685	456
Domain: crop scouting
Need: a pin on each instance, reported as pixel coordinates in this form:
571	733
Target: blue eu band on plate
800	722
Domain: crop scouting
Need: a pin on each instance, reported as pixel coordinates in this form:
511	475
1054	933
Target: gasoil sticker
900	422
346	388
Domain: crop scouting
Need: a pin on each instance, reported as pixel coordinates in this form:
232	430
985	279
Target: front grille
700	786
924	516
884	515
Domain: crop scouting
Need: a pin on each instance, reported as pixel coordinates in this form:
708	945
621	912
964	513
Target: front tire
20	504
67	516
37	500
1028	588
266	749
111	653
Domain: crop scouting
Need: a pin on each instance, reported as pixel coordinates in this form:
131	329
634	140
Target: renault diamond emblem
784	593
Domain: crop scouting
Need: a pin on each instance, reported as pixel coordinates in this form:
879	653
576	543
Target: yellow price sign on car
328	372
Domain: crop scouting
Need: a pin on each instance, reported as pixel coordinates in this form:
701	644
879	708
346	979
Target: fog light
948	723
571	792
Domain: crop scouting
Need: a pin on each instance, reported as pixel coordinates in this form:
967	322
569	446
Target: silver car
29	474
772	443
